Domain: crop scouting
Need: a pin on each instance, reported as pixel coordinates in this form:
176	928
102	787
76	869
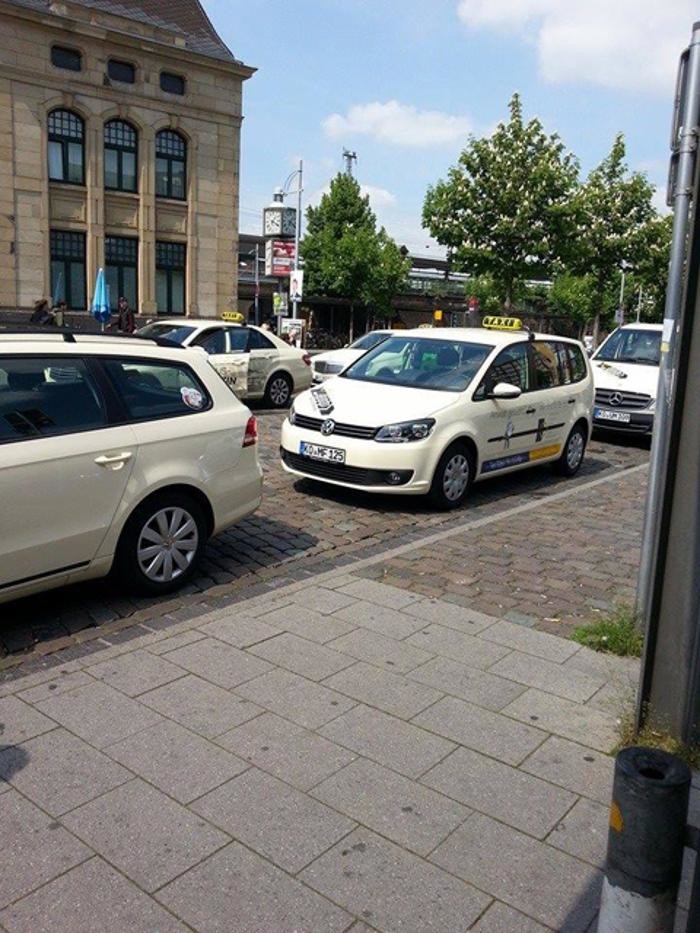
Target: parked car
325	365
430	411
626	377
116	454
255	363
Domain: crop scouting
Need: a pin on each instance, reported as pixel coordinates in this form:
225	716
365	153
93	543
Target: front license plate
319	452
604	414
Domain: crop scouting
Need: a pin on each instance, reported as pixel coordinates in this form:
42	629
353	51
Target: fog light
397	477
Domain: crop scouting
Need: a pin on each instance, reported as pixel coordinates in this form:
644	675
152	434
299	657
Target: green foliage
651	265
616	634
614	207
507	210
484	288
572	296
653	735
345	256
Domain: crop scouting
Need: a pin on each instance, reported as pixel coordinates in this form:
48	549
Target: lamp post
256	253
299	175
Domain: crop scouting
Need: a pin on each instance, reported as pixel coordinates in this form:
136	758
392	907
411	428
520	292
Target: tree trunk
596	329
352	322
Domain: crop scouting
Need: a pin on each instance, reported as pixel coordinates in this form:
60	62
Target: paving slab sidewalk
422	768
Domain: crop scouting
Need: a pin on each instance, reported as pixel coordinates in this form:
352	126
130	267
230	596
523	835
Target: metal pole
297	232
257	284
639	304
622	297
682	197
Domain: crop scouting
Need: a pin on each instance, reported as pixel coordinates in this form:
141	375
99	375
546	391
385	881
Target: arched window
171	165
66	147
121	145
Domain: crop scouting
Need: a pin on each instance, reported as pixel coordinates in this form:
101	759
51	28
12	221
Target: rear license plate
319	452
604	414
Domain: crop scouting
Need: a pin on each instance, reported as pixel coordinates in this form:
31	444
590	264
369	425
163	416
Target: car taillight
307	359
250	438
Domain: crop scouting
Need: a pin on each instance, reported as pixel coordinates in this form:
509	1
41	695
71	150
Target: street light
255	252
284	191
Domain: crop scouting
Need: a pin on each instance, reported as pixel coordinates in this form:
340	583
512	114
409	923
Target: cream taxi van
430	411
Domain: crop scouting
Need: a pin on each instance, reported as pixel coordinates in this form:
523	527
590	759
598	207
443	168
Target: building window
121	71
121	269
66	58
172	84
170	278
68	268
66	147
120	156
171	165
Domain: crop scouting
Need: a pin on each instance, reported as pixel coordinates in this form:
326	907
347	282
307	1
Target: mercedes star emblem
328	427
616	398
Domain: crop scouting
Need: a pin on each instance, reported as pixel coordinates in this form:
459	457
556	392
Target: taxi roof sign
232	317
494	322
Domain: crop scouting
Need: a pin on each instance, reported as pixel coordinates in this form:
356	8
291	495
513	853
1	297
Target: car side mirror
505	390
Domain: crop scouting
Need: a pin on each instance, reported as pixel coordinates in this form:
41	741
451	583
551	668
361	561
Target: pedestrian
126	320
59	312
42	313
266	326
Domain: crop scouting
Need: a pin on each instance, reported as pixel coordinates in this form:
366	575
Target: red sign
279	257
473	303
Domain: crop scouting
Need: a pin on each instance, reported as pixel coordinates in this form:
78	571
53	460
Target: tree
615	206
345	256
652	265
506	210
572	296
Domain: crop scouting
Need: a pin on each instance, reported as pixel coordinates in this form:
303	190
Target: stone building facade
119	148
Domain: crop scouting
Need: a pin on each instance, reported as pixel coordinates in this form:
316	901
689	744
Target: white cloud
398	124
629	44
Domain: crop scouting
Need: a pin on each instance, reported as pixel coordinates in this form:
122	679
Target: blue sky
403	82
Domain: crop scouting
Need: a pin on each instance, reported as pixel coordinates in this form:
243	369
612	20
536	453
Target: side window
149	389
259	341
511	366
562	354
213	341
238	338
577	362
545	365
44	396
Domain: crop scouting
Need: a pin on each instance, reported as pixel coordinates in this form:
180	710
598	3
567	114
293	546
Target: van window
545	364
511	366
632	346
577	361
150	390
44	396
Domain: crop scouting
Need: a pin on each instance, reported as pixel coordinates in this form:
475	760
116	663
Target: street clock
279	220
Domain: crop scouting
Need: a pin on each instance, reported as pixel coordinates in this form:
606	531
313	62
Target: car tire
278	392
453	477
148	559
569	463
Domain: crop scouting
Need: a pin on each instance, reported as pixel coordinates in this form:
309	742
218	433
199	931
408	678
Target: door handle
118	460
530	411
572	401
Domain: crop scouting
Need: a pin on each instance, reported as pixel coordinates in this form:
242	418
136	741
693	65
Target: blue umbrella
100	302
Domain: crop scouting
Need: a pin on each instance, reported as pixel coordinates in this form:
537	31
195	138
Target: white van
626	377
430	411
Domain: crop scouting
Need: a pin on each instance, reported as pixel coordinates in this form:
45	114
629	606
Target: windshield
632	346
421	363
178	333
369	340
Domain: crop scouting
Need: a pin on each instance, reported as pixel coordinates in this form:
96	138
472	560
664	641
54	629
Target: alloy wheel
455	477
167	544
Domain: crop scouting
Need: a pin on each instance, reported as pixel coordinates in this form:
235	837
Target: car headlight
292	416
405	431
652	405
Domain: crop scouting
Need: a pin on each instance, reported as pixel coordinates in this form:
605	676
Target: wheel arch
200	498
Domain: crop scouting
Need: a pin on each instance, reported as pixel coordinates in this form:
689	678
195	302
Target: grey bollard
648	817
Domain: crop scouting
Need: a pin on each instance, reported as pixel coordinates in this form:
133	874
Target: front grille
358	476
342	430
629	399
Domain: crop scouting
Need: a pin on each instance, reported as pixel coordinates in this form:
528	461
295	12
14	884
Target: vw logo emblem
328	427
616	398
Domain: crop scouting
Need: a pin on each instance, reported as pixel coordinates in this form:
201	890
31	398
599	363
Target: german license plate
604	414
319	452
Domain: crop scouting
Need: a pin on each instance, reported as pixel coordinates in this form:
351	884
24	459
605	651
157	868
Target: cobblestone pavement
301	529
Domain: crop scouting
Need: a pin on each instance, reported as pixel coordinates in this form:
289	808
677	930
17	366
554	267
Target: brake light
307	359
250	438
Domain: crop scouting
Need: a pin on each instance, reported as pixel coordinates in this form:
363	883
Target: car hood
371	404
344	357
625	377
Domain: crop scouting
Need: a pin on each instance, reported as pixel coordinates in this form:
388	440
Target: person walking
126	320
42	313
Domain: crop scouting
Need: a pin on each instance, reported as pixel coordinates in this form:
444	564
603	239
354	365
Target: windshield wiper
644	361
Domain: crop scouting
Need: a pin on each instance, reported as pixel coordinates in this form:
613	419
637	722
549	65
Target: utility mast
349	158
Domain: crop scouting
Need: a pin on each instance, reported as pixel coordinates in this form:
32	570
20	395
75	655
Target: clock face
273	222
289	221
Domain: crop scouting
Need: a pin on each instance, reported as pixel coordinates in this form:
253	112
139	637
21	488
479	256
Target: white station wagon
116	453
255	363
430	411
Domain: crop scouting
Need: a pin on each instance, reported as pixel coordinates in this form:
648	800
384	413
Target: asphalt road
301	528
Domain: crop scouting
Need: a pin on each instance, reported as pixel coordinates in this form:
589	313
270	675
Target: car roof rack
68	336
